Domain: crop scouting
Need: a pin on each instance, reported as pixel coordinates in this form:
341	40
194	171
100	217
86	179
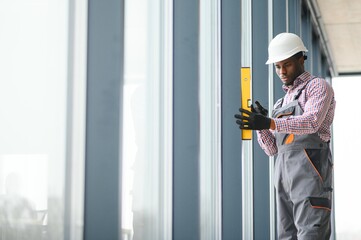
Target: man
299	132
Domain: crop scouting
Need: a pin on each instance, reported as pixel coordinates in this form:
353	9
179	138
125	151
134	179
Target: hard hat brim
286	56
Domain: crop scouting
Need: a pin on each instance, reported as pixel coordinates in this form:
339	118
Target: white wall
347	159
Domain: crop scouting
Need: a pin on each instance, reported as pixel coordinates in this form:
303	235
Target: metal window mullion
287	16
154	137
272	234
218	108
210	145
74	189
247	148
166	146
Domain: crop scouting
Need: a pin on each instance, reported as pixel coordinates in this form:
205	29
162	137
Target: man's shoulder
318	84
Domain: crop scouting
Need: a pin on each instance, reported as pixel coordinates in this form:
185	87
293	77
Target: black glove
252	120
259	109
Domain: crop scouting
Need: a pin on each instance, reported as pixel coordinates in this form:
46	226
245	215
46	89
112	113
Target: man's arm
267	141
257	119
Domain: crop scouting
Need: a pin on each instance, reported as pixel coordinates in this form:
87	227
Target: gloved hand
252	120
259	109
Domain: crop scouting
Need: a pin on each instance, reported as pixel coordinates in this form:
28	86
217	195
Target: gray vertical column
306	33
260	93
186	211
294	16
316	55
325	73
103	120
279	25
231	140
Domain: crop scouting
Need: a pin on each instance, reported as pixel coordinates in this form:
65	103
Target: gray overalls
303	179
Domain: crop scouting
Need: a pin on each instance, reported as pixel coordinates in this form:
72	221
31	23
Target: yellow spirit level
246	100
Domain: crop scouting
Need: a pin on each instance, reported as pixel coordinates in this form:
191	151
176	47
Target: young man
299	132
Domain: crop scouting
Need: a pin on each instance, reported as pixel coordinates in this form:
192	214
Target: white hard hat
283	46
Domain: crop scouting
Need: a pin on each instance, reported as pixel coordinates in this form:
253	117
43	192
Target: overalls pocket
315	158
318	215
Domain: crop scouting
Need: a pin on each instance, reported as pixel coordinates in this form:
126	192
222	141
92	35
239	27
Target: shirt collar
298	81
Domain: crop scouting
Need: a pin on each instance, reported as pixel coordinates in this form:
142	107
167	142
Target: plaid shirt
318	103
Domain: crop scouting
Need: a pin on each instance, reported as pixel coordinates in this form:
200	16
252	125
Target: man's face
288	70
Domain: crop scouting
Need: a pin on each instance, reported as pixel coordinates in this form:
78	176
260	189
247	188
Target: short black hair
299	55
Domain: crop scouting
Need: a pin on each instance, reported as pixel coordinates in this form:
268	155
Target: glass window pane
147	129
33	47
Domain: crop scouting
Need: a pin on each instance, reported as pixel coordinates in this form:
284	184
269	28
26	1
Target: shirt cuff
280	124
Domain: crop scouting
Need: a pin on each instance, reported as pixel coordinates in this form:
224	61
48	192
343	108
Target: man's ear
301	60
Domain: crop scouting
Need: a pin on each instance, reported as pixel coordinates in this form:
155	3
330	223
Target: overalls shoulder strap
279	102
299	91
